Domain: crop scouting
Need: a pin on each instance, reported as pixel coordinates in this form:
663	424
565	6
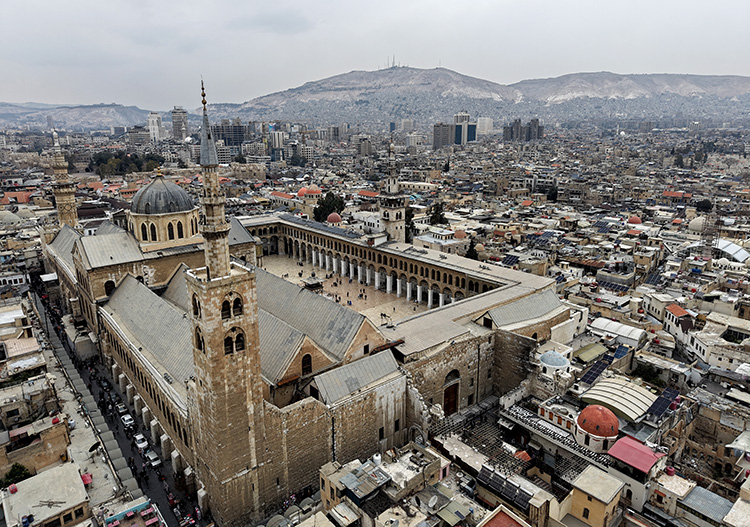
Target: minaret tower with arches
227	390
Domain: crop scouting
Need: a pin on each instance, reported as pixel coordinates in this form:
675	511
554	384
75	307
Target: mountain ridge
431	95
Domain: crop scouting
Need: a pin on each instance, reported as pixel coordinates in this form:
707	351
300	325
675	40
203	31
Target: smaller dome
301	192
597	420
554	359
479	247
333	217
634	220
697	224
8	218
459	235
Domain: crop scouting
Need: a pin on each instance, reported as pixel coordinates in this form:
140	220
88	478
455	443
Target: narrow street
106	394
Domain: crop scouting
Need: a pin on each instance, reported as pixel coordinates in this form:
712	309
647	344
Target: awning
344	515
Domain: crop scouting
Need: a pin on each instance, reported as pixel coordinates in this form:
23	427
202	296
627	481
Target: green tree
437	215
472	253
17	473
297	161
328	204
704	205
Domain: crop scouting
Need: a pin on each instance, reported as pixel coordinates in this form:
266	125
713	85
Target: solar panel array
594	372
504	488
661	404
621	351
614	287
510	260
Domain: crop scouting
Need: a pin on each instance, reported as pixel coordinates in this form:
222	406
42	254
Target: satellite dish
433	502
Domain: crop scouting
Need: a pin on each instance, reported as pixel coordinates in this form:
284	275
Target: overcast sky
152	53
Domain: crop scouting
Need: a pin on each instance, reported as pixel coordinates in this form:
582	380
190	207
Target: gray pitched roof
336	384
330	325
527	308
238	234
153	324
176	291
107	227
63	244
109	249
279	343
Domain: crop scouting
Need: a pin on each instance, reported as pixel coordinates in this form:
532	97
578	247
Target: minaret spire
214	226
64	189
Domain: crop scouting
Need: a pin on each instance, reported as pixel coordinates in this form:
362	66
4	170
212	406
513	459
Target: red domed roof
333	217
599	421
634	220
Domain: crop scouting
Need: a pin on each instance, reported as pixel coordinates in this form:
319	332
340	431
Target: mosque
251	383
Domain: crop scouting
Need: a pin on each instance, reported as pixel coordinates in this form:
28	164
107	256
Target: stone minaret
64	189
227	391
393	203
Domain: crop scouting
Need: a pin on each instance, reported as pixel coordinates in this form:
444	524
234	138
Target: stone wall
511	360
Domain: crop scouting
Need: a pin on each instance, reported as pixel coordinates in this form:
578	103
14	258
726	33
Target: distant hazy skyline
152	53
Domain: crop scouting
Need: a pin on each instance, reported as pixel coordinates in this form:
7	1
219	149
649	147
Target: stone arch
237	307
306	364
196	307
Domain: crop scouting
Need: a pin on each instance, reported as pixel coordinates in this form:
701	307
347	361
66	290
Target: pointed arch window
306	364
239	342
199	340
237	307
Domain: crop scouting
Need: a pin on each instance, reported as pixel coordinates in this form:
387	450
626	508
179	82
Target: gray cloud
152	53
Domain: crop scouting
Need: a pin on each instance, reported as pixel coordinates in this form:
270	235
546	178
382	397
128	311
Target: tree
472	253
17	473
704	205
297	161
437	214
328	204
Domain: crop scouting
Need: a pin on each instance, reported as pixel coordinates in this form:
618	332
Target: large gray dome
161	197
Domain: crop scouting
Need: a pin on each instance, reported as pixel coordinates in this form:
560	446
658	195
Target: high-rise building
484	125
515	131
442	135
179	123
155	130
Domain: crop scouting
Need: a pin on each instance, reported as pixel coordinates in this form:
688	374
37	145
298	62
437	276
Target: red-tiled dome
599	421
333	217
634	220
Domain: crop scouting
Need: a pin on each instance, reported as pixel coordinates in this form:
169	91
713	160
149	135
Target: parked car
141	443
127	420
153	459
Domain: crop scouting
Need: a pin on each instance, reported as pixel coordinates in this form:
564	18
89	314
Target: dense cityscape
453	323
